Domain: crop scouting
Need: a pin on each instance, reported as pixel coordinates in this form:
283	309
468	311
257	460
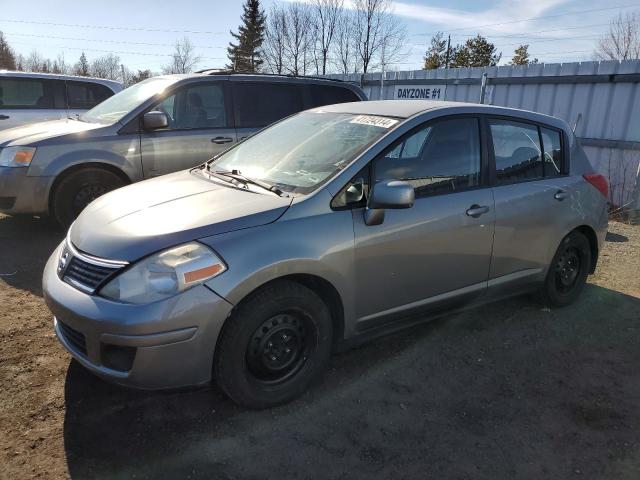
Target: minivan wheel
275	343
78	189
568	271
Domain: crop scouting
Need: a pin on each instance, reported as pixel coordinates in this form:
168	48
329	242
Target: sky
142	32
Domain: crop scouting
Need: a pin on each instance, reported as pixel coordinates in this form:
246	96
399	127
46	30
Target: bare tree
298	40
344	49
60	65
393	37
622	42
376	29
34	62
273	49
326	14
107	66
183	59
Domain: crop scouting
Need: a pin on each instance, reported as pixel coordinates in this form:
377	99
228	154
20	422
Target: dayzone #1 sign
419	92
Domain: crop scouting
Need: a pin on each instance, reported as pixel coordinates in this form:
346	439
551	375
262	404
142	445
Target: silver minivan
330	227
159	126
30	97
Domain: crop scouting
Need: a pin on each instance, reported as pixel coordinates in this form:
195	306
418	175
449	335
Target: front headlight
165	274
16	156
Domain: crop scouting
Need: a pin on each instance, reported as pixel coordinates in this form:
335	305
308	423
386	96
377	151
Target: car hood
37	132
149	216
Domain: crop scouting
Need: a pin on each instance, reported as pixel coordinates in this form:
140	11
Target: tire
78	189
568	271
273	346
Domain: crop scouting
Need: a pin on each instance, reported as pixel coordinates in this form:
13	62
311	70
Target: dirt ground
510	391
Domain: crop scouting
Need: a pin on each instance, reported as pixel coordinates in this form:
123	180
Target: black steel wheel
568	271
276	342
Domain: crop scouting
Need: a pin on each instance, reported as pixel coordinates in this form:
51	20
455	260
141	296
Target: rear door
437	253
200	127
257	104
27	100
532	194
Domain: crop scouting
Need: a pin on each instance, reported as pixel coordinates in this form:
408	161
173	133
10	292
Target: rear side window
553	154
86	95
517	151
328	94
258	104
29	93
439	158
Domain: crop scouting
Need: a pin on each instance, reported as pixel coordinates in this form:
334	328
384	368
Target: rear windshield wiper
236	175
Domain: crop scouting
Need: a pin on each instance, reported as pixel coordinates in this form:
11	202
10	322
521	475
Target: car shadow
496	392
26	244
616	237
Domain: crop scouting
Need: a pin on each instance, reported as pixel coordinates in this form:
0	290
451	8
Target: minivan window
26	93
328	94
516	148
258	104
300	153
553	155
86	95
438	158
117	106
194	107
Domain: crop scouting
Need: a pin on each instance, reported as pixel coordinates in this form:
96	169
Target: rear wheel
274	345
80	188
568	271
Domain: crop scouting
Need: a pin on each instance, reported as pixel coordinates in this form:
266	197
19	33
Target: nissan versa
329	227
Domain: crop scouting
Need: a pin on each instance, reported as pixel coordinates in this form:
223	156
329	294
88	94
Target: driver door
200	127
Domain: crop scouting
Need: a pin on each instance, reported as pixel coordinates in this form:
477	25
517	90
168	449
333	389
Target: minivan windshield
303	151
117	106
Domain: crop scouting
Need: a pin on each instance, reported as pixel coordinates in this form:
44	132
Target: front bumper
165	344
22	194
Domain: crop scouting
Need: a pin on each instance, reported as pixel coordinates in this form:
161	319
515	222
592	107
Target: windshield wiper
236	175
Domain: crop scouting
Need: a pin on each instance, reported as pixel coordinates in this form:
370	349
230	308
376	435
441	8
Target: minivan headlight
16	156
165	274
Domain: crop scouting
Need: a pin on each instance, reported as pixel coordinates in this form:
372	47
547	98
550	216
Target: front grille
74	338
86	274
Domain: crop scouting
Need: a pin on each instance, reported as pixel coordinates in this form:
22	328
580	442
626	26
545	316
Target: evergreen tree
476	52
7	57
82	67
245	55
437	53
521	56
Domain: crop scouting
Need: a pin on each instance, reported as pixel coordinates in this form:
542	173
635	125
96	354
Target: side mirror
394	194
355	191
155	120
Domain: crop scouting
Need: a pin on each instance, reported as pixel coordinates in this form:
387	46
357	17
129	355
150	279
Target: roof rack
222	71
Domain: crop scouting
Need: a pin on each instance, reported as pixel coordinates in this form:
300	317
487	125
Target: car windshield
303	151
117	106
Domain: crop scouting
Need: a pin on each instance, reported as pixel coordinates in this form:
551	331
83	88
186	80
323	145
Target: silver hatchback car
330	227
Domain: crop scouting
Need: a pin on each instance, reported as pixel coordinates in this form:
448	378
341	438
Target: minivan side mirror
155	120
392	194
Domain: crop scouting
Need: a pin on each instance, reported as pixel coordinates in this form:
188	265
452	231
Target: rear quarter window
258	104
329	94
85	95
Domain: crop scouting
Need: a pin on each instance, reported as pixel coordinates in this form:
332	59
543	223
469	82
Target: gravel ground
510	390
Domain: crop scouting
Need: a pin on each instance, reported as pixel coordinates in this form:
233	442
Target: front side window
439	158
302	152
258	104
26	93
195	107
517	151
553	154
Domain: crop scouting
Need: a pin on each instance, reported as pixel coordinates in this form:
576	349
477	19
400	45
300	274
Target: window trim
493	177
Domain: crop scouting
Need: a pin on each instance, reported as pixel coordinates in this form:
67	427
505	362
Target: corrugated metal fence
602	98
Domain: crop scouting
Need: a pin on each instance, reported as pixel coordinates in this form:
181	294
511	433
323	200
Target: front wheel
273	345
568	271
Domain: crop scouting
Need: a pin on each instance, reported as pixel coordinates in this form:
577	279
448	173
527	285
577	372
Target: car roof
409	108
56	76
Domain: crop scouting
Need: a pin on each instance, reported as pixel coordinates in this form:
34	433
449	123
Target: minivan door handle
560	195
476	210
4	117
221	140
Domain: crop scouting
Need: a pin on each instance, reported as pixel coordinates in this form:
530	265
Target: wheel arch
590	233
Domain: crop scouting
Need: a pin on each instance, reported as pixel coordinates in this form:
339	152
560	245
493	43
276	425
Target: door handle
476	210
221	140
4	117
560	195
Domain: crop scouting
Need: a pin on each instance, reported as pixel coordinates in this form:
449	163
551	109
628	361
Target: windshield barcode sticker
382	122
